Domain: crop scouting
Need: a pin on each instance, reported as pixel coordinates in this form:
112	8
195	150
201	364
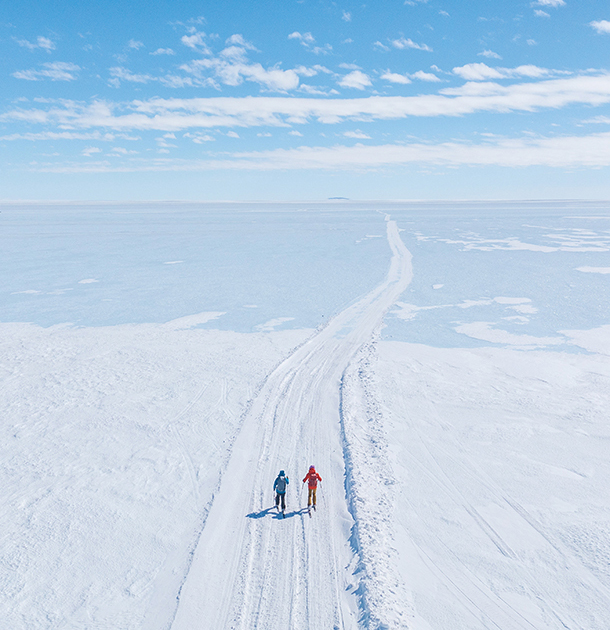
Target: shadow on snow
276	515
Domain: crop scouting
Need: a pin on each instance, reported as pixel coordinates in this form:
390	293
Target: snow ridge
384	600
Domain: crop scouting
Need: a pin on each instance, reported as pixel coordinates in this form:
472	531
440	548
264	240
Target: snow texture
444	366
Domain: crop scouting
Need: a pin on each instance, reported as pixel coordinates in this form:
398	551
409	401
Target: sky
304	100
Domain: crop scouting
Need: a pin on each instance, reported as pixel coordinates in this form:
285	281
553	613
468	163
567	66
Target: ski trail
250	562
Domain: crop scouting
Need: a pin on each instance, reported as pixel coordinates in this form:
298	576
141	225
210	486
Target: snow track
251	568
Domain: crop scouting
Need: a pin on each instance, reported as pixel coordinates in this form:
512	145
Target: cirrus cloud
482	72
55	70
41	42
560	152
163	51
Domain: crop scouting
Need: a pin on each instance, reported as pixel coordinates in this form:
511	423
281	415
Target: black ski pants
277	500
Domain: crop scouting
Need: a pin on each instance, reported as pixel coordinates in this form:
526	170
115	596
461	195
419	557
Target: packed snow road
252	568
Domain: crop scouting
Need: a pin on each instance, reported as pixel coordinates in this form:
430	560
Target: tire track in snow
251	569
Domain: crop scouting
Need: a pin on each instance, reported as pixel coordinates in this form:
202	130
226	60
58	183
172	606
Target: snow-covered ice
445	366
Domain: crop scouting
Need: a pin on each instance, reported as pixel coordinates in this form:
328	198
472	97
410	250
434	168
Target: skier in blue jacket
279	485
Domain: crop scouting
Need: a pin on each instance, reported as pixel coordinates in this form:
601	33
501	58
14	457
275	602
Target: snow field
112	444
501	474
464	488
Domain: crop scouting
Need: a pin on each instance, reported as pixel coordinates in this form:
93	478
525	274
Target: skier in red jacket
312	477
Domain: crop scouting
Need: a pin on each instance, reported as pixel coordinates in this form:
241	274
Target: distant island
342	198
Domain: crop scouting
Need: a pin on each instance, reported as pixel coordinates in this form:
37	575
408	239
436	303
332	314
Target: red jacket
313	478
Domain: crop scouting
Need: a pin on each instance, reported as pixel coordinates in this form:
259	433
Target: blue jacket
279	485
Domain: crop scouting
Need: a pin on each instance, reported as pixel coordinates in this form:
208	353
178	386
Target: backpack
280	484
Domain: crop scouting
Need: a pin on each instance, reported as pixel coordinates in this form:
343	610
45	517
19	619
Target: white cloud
122	74
598	120
601	26
163	142
56	71
231	73
232	134
564	152
322	50
381	46
199	138
294	132
170	115
478	72
587	151
238	40
234	54
122	151
548	3
406	78
356	79
349	66
540	13
347	16
532	42
357	134
425	76
403	43
196	41
394	77
135	45
443	13
264	135
66	135
230	67
316	91
306	72
43	43
490	54
175	81
308	40
305	38
483	72
163	51
87	151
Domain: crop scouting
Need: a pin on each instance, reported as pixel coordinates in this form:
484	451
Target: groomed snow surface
452	391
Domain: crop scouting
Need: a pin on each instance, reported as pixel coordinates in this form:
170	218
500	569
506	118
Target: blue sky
304	100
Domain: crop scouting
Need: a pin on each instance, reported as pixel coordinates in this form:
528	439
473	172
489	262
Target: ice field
446	367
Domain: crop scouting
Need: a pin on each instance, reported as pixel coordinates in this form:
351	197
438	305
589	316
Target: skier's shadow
261	514
276	515
291	514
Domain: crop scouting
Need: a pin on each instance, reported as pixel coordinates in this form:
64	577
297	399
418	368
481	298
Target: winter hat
312	468
281	473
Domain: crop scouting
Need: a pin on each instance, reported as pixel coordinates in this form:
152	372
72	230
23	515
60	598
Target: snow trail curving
252	569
